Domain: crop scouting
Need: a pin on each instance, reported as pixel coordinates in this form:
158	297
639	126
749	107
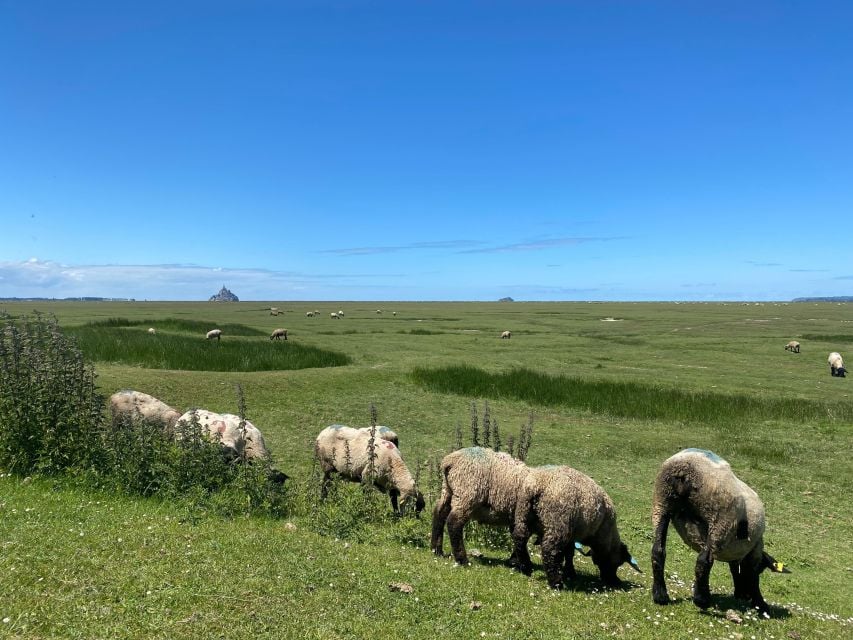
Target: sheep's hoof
661	598
703	601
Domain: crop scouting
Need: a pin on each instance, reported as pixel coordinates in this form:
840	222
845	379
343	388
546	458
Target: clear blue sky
426	150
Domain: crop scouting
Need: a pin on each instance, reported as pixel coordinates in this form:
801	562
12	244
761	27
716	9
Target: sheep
394	313
379	311
836	365
214	333
506	335
277	334
567	508
340	314
793	346
478	484
274	311
152	330
127	404
384	433
716	514
344	450
309	314
333	315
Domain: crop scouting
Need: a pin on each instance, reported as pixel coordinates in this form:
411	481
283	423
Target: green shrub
50	411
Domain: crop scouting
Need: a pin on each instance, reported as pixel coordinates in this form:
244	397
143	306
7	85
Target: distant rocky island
507	299
224	295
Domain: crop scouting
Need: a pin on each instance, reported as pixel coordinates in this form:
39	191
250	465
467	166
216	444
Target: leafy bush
50	411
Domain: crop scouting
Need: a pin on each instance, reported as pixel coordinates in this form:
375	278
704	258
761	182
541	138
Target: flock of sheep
713	511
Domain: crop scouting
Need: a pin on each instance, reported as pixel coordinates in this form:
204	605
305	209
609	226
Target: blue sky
408	150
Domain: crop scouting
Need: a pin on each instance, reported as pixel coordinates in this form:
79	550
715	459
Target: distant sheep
793	346
214	333
478	484
334	316
152	330
277	334
716	514
128	405
340	314
836	365
344	450
564	507
394	313
506	335
309	314
274	311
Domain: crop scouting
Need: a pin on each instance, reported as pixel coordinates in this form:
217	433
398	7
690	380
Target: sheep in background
379	311
277	334
152	330
274	311
716	514
345	451
478	484
333	315
129	404
836	365
309	314
214	333
564	506
506	335
793	346
340	314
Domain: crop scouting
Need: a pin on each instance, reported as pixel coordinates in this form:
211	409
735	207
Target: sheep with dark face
793	346
278	334
506	335
716	514
836	365
566	507
345	451
214	333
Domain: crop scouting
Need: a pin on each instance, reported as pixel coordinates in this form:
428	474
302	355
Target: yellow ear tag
779	567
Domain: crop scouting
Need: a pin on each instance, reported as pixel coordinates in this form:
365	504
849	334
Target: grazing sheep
836	365
478	484
506	335
214	333
564	506
384	433
225	429
152	330
127	404
716	514
344	450
277	334
274	311
333	315
379	311
394	313
309	314
793	346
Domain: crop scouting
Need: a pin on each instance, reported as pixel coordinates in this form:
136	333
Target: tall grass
624	399
198	327
105	343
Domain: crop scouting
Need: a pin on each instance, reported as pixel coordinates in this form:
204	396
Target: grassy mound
625	399
239	350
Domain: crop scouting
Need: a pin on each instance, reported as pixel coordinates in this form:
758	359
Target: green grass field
613	388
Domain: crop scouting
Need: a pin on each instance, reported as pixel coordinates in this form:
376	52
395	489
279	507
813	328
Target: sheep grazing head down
609	561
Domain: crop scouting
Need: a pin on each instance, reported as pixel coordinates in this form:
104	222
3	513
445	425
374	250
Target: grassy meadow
612	389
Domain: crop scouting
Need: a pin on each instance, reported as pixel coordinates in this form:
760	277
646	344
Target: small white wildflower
7	620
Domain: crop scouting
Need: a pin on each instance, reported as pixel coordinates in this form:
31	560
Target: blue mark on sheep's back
337	427
475	452
713	457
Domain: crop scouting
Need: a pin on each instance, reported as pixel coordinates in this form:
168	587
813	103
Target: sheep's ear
771	563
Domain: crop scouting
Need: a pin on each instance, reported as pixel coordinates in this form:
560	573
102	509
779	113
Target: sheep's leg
738	575
324	487
659	592
455	530
701	587
520	553
750	570
394	494
552	560
439	519
569	567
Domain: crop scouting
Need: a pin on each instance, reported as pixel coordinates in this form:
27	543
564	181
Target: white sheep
344	450
127	405
716	514
152	330
238	441
340	314
214	333
836	365
394	313
333	315
309	314
277	334
506	335
566	507
477	484
379	311
274	311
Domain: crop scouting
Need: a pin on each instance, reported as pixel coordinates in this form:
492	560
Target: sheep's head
609	562
415	500
277	477
840	372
